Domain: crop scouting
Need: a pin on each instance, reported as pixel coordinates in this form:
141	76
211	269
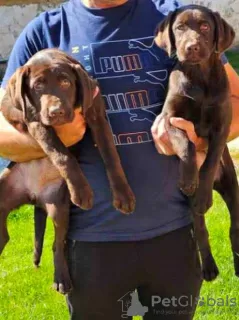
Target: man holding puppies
154	249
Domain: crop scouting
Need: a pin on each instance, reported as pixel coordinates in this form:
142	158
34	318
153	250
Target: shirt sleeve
28	43
224	58
165	6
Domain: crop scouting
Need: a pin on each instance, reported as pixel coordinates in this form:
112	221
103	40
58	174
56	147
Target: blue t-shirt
116	47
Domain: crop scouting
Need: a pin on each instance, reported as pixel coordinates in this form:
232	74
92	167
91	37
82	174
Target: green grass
26	294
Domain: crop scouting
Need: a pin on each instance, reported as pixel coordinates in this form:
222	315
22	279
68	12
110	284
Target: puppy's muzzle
192	48
56	112
193	51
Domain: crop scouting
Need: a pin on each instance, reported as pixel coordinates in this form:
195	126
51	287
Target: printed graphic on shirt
133	76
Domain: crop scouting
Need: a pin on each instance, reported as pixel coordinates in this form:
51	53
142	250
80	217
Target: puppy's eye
65	83
181	27
39	85
205	27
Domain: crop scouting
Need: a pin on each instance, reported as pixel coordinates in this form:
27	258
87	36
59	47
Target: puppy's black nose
192	47
56	111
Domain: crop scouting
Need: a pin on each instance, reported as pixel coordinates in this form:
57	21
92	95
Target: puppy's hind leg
209	268
4	236
11	197
40	218
227	186
60	217
57	208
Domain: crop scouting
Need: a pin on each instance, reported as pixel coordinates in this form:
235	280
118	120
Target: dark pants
165	271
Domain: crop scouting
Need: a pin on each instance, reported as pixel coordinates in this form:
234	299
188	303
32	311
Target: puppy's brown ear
13	104
85	86
224	33
164	37
21	88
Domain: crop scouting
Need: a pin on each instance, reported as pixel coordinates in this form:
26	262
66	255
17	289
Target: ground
26	294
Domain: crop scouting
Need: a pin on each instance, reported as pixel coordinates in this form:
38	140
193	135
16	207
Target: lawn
25	293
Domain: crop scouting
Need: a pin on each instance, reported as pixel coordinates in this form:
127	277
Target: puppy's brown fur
199	92
41	94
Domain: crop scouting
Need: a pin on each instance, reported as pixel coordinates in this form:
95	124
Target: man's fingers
160	136
158	131
154	128
201	156
164	149
182	124
158	149
186	126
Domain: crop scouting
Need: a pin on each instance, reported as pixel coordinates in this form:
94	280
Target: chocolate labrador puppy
42	94
198	91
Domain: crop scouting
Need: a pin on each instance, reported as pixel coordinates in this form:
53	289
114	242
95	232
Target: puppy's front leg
65	162
202	200
124	199
176	105
186	151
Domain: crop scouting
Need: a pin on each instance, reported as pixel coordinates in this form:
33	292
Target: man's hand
21	147
163	144
161	138
71	133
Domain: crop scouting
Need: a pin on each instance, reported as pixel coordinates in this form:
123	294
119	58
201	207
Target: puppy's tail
40	217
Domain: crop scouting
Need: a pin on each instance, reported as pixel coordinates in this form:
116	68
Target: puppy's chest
199	102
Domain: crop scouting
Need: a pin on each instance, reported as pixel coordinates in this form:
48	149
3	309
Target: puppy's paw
36	260
188	188
62	283
189	179
124	200
202	201
236	263
83	198
210	269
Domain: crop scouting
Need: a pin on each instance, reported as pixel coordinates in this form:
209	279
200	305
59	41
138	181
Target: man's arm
14	145
234	86
20	147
